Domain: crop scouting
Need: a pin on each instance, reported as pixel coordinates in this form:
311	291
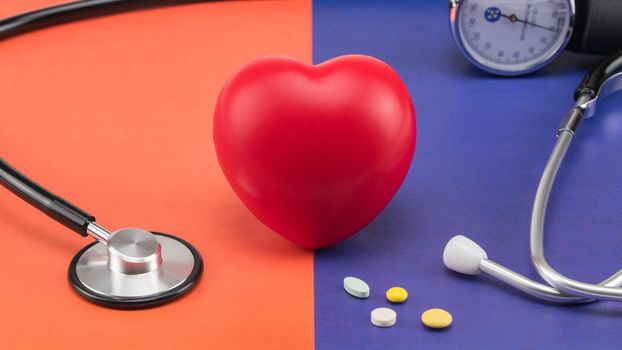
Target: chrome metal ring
91	277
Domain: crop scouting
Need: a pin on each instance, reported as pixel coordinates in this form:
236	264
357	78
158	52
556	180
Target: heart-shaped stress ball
315	151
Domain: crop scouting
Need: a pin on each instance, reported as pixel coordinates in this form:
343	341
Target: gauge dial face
513	36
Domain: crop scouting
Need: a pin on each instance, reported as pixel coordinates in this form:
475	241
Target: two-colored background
115	114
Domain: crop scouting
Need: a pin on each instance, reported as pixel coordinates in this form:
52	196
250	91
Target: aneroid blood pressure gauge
511	37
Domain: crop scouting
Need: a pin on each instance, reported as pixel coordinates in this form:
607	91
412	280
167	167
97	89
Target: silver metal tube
98	232
529	286
562	289
539	290
605	291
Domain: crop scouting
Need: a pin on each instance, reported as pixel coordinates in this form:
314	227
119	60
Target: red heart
315	152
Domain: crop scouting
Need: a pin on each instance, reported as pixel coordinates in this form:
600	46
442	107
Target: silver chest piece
136	269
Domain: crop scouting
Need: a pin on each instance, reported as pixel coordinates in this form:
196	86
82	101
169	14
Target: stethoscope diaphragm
137	269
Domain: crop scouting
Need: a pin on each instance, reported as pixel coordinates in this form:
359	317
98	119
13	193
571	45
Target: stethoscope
135	268
129	268
465	256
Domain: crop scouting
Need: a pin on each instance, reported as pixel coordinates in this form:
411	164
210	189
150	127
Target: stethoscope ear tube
592	82
464	256
52	205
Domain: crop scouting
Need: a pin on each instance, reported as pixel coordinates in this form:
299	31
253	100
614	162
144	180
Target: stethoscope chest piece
135	269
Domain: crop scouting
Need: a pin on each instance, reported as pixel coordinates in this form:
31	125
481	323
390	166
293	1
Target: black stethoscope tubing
57	208
52	205
79	220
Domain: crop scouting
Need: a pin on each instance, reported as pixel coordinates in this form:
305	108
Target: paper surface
115	114
482	144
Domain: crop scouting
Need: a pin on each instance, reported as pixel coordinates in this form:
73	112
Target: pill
383	317
356	287
436	318
397	295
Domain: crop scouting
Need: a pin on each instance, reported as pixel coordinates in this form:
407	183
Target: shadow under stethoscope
41	234
584	308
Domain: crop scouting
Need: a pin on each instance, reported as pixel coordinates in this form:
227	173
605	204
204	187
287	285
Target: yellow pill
436	318
397	295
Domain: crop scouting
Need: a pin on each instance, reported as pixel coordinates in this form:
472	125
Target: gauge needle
513	18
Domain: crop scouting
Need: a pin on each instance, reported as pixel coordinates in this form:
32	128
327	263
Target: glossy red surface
315	152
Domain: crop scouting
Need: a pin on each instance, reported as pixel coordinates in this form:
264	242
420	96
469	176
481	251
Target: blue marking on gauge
492	14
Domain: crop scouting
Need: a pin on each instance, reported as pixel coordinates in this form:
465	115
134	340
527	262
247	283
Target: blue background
482	144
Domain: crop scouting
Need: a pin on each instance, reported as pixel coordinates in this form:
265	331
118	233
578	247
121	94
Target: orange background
115	115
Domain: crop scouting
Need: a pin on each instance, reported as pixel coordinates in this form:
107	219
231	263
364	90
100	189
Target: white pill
383	317
356	287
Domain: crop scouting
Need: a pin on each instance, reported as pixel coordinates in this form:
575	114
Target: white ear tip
463	255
